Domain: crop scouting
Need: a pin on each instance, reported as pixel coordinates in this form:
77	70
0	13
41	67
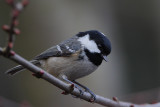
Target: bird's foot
93	96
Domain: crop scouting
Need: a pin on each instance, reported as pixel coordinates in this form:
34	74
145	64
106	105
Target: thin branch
17	7
40	73
69	88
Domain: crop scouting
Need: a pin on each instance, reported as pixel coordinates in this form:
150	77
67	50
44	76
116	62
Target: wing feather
64	49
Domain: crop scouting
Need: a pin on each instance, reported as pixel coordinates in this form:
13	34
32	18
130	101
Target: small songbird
73	58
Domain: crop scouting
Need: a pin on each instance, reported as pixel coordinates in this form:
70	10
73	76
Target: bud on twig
17	31
15	13
10	2
6	28
25	2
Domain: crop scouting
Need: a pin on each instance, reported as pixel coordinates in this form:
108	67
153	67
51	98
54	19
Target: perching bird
73	58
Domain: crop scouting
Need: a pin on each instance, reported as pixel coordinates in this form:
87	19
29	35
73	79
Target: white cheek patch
89	44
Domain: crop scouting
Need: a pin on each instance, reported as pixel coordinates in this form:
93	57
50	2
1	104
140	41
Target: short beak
105	57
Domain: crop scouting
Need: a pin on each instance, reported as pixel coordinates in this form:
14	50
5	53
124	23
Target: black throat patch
95	58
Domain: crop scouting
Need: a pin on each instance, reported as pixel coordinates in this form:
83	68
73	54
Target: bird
73	58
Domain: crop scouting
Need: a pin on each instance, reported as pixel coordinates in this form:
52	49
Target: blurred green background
131	25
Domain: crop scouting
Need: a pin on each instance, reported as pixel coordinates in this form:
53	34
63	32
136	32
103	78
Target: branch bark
69	88
40	73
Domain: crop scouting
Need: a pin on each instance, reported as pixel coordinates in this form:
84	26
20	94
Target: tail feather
20	68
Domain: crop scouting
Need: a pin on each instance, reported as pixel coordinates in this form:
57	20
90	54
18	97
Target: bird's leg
88	90
77	86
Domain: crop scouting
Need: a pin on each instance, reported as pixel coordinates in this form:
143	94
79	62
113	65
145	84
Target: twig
38	72
66	87
11	30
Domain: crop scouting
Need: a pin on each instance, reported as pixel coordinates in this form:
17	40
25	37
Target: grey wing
64	49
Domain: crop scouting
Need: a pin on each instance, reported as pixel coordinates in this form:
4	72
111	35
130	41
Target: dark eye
99	46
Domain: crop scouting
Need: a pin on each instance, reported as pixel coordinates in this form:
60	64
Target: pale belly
69	67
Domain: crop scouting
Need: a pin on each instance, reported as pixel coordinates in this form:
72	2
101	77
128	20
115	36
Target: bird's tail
20	68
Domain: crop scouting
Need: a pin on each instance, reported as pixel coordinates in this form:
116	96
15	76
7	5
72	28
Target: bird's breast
73	67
